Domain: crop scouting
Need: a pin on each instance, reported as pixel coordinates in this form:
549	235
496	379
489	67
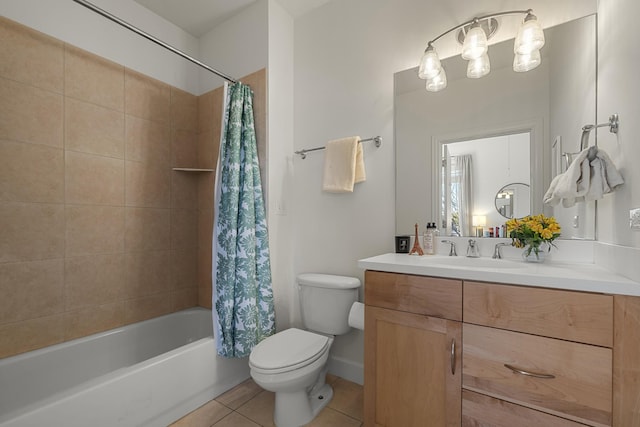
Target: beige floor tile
204	416
260	409
235	420
348	398
240	394
332	418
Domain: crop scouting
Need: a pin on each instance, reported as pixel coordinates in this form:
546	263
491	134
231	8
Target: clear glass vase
536	253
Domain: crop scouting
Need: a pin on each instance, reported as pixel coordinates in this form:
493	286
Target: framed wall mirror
542	108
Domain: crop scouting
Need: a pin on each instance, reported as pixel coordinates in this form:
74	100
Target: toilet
293	363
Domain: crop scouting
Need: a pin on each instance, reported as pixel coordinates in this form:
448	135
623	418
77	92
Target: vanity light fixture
473	36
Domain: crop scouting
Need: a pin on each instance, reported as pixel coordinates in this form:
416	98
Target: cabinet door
412	370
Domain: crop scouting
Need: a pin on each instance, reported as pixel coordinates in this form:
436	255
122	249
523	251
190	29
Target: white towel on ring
589	177
343	165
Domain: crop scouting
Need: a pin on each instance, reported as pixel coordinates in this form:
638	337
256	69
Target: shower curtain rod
148	36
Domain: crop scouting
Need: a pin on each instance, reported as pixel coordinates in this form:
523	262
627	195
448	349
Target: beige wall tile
94	230
205	111
184	149
147	229
93	79
31	173
31	289
94	280
93	129
147	141
184	228
206	189
205	228
146	98
145	308
184	189
147	273
147	185
30	57
29	114
205	271
31	334
95	180
205	297
31	231
184	269
208	149
92	320
184	298
184	110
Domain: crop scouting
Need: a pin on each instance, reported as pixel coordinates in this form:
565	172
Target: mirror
493	162
550	103
513	200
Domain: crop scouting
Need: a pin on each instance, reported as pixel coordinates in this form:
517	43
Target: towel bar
303	153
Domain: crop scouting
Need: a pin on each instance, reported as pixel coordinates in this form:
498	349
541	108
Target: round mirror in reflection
513	200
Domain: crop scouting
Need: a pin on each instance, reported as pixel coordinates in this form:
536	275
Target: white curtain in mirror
459	191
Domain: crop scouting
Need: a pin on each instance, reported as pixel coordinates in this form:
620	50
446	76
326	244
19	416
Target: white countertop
550	274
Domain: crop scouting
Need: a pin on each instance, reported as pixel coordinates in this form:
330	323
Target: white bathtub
146	374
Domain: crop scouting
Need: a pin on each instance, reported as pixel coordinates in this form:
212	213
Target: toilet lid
287	349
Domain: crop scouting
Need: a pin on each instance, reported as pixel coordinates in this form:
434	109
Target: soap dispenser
430	239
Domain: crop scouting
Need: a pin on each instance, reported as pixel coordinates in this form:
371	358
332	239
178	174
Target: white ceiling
197	17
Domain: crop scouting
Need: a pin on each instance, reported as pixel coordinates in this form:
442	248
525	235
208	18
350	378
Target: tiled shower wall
96	229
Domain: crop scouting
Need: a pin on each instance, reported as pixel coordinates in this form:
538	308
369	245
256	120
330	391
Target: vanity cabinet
544	349
530	356
412	350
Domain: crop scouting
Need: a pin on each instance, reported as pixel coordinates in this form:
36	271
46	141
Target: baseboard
347	369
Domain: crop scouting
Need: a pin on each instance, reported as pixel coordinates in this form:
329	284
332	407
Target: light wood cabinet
585	346
412	360
481	410
562	378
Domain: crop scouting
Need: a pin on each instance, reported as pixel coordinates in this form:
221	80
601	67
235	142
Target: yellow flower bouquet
532	231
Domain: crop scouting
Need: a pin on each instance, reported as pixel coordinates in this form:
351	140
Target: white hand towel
343	165
604	176
585	179
571	185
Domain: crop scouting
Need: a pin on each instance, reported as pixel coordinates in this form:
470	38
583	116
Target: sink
464	262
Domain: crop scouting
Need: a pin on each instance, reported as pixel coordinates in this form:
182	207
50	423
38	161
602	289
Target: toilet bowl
293	362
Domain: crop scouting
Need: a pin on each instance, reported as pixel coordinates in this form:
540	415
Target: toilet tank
325	301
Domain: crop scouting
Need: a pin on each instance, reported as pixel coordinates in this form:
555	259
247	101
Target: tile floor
247	405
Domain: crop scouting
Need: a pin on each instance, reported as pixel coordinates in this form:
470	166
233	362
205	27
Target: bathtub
145	374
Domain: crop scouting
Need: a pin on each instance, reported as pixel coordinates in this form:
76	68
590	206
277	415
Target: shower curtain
243	312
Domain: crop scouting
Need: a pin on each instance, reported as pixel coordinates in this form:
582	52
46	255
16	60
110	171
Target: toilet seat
287	351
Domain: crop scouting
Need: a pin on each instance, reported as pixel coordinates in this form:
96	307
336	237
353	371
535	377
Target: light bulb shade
526	62
478	220
475	43
478	67
530	36
429	64
437	83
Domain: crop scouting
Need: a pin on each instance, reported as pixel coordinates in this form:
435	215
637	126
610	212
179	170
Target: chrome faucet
452	249
472	249
497	253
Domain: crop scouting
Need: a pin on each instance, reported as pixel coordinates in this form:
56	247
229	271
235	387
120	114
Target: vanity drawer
573	316
430	296
481	410
581	386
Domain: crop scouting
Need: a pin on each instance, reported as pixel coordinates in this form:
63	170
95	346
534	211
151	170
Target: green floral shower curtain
242	292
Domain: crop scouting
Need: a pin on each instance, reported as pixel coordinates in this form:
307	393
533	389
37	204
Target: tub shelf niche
193	170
